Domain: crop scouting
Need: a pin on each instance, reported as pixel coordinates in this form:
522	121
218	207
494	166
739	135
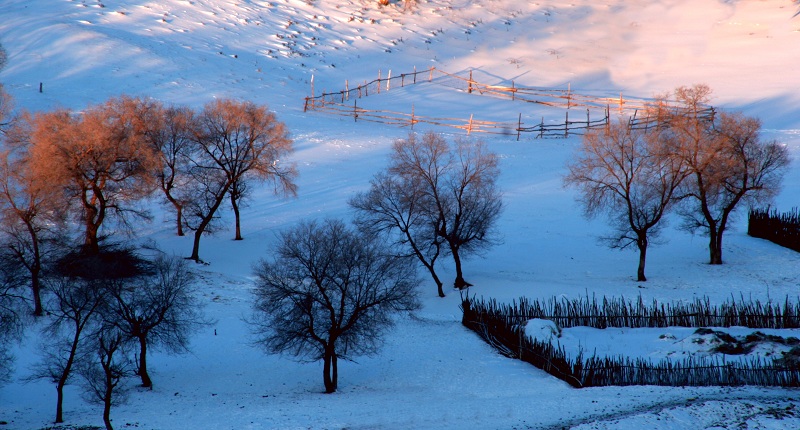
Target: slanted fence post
469	126
389	80
430	76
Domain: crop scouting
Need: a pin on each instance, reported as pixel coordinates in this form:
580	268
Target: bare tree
74	306
727	163
329	293
170	130
234	142
99	158
399	208
12	306
104	370
30	208
156	309
631	176
459	181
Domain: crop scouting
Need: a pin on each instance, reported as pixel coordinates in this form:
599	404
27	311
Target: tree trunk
204	223
36	286
91	244
235	206
179	218
107	403
62	380
459	283
641	242
146	382
715	246
330	371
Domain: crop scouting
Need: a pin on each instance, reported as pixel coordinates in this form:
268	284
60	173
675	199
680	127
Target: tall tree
99	159
329	293
631	176
727	163
234	142
459	182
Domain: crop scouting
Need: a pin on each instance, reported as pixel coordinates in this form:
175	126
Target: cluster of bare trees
701	166
434	198
90	173
106	311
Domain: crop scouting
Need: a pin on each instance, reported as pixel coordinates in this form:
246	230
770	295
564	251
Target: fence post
379	81
305	105
415	74
312	91
469	126
389	80
513	92
430	77
402	80
469	89
620	102
412	117
541	128
355	110
588	122
347	88
366	89
519	126
566	124
569	93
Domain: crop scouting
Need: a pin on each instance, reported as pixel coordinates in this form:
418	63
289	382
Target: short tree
74	306
156	309
329	293
726	161
459	182
234	142
630	175
105	369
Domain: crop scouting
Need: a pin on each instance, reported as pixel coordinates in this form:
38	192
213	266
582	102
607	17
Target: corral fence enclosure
780	228
581	112
503	327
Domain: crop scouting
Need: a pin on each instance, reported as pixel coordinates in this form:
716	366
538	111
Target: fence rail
337	103
502	327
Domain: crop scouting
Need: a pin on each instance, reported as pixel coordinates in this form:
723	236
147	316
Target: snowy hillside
432	372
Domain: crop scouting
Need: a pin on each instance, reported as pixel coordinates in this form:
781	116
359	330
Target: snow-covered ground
432	372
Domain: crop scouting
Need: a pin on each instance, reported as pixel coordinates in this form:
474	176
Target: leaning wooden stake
469	126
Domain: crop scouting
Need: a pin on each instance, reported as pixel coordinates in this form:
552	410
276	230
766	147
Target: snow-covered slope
432	372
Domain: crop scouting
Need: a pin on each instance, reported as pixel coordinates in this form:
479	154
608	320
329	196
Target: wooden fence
780	228
506	333
337	103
